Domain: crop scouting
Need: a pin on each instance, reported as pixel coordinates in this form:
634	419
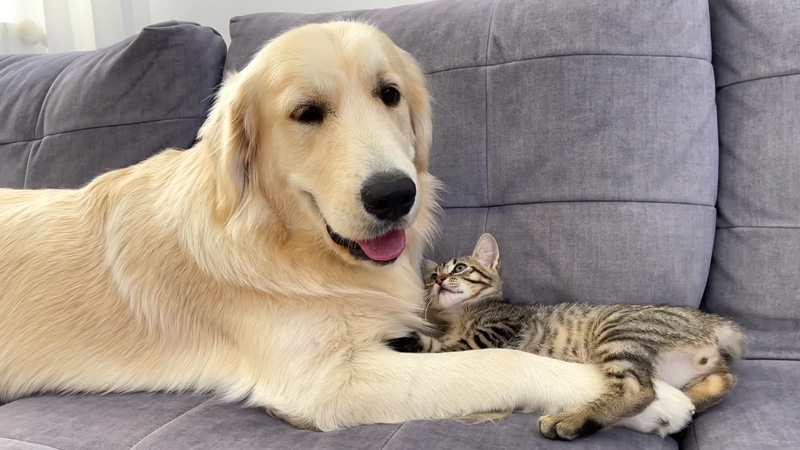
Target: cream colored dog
269	262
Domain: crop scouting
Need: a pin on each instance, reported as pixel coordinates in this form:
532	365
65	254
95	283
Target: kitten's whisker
428	300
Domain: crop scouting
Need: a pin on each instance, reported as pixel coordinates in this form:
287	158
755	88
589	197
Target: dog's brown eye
309	114
390	96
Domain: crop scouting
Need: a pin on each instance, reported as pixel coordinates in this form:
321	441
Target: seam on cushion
776	227
694	436
652	202
39	117
486	104
764	358
612	55
32	444
102	126
169	422
28	165
766	77
47	94
392	435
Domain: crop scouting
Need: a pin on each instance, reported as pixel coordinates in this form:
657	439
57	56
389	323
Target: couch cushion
754	275
582	134
168	422
760	414
90	421
516	432
69	117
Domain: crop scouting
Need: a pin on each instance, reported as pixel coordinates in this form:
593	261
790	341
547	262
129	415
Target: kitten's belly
677	368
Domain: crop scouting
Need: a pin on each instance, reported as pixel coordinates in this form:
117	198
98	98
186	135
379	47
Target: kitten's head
464	280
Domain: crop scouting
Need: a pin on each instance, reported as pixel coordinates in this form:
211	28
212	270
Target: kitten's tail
731	340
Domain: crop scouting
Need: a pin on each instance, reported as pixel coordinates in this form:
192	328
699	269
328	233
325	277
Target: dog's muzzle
388	198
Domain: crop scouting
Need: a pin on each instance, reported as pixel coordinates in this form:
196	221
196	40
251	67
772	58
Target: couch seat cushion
169	422
762	412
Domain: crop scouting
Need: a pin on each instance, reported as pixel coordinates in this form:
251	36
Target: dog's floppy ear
419	106
235	119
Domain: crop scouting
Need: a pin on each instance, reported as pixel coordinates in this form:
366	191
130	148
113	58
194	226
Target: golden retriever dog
270	262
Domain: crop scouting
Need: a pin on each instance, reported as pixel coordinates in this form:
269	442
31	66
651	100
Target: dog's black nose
388	196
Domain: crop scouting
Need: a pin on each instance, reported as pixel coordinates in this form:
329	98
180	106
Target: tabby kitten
632	344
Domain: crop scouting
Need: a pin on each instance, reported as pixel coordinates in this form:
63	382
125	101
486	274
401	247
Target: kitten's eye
460	267
390	96
309	114
434	276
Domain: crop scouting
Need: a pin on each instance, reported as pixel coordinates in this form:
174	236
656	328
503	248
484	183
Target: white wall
217	13
21	18
69	25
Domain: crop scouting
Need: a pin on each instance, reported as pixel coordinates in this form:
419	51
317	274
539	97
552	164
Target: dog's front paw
567	426
669	413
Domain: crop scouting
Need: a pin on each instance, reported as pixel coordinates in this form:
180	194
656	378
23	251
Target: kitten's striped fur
633	344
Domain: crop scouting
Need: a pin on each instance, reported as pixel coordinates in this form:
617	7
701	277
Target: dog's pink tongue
386	247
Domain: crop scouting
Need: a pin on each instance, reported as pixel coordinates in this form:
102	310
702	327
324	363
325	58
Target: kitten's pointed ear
428	267
487	251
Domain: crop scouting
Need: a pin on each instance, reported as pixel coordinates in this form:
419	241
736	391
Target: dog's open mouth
384	249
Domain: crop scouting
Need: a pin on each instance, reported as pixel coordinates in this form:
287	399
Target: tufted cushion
754	275
583	135
69	117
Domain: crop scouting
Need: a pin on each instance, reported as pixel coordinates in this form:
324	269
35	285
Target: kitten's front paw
669	413
407	344
566	426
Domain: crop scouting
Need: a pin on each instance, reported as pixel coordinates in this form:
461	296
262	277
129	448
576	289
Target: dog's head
338	118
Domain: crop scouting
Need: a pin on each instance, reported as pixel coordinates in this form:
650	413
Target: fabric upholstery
516	432
12	444
760	414
754	275
69	117
169	422
582	134
78	422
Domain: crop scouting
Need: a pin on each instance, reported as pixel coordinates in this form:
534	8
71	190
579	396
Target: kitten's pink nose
440	280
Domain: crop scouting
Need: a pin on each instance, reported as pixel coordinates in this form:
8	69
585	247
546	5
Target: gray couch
621	151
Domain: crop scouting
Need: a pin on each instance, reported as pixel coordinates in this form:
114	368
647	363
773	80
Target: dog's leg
377	385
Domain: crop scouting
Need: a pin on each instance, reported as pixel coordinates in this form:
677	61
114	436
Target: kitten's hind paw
669	413
566	426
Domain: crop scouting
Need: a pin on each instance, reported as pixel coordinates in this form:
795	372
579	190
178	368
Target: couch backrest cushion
583	135
69	117
755	273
